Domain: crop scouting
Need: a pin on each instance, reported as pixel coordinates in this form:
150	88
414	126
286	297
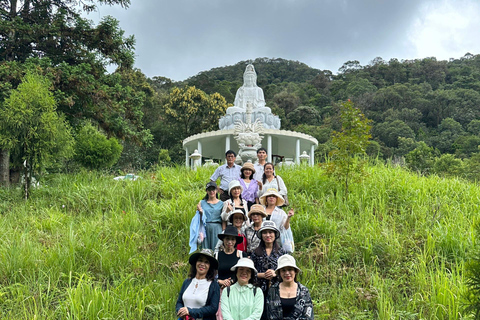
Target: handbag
285	197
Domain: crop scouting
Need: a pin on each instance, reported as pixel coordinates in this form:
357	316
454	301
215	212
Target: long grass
88	247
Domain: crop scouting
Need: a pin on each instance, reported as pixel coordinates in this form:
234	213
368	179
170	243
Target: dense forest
61	110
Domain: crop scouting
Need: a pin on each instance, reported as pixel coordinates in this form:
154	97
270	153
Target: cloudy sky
180	38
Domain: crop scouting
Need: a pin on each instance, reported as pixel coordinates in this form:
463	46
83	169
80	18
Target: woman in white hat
266	255
242	300
235	202
249	185
200	293
256	215
272	200
288	299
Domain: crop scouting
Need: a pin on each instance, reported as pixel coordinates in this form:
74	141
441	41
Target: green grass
87	247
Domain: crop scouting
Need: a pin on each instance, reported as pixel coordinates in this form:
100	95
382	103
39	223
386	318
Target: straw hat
257	208
234	184
230	216
232	232
207	253
287	261
248	165
244	262
274	192
268	225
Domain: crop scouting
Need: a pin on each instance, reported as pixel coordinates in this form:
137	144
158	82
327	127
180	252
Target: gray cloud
178	39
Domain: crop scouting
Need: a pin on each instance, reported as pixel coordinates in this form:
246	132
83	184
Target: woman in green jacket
243	300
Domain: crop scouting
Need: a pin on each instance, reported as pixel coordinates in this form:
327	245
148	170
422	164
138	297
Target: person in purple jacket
249	185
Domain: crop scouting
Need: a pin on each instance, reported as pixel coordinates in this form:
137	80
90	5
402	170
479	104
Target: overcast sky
180	38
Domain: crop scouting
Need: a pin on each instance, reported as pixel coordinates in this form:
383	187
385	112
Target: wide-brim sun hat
208	253
244	262
211	184
234	184
257	208
287	261
272	192
230	231
268	225
248	165
230	216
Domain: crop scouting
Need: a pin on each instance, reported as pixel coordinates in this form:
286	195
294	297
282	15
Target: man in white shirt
227	172
262	159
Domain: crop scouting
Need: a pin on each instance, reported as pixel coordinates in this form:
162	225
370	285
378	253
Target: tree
53	38
31	127
421	159
190	110
350	142
94	151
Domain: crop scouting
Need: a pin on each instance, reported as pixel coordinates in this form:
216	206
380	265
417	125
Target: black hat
207	253
232	232
211	184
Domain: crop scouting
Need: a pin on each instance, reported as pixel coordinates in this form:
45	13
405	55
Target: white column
269	148
199	148
297	152
312	155
227	146
187	158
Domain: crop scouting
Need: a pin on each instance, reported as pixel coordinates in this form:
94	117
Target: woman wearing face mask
256	215
242	300
200	293
288	299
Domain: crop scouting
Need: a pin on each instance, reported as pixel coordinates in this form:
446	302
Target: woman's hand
269	274
183	312
225	283
290	213
229	207
199	207
260	185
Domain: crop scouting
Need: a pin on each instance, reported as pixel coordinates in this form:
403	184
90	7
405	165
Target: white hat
232	213
272	192
234	184
268	225
287	261
244	262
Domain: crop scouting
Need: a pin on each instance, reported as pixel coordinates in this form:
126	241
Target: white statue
248	136
249	93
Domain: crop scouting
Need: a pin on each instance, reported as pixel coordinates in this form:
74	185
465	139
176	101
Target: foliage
31	127
164	157
88	247
421	158
350	142
94	151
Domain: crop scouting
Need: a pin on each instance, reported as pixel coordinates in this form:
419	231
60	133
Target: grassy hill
88	247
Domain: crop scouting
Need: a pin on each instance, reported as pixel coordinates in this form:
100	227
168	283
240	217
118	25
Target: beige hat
257	208
287	261
274	192
248	165
244	262
268	225
234	184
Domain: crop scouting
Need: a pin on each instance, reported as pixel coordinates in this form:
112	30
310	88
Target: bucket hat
234	184
257	208
232	232
272	192
207	253
231	214
268	225
244	262
287	261
248	165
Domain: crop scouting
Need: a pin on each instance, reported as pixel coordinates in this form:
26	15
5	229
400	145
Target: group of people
240	262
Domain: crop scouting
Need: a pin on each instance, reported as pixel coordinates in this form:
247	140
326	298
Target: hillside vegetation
88	247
